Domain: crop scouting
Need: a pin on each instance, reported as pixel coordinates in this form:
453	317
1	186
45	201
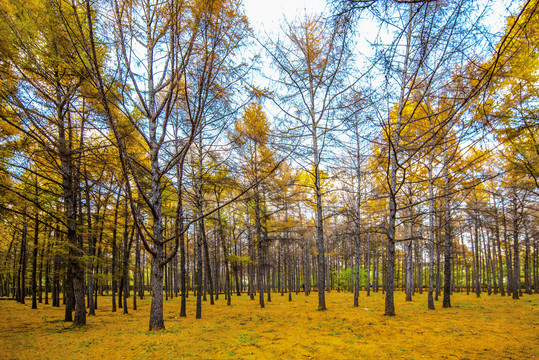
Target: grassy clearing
491	327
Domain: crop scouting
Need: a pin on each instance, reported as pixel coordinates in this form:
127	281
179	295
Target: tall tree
312	63
251	134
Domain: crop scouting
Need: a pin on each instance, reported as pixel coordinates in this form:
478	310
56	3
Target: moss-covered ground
490	327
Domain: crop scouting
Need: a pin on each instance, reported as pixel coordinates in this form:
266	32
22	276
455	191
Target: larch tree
510	106
154	43
251	135
49	72
312	62
430	42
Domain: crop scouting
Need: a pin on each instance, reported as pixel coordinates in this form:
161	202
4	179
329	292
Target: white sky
267	15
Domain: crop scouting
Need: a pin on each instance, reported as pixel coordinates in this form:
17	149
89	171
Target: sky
267	16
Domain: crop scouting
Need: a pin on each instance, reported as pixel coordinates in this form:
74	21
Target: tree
511	102
251	135
49	71
312	64
168	33
424	61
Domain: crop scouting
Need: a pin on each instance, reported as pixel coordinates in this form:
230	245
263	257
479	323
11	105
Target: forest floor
489	327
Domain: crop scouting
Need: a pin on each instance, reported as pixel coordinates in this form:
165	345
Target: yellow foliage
472	329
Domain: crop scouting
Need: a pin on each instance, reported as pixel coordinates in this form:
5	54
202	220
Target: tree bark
516	269
260	248
91	251
447	251
499	248
115	251
21	287
430	299
34	258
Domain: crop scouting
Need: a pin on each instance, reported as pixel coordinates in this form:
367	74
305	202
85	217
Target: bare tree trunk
357	237
208	272
183	265
516	260
447	252
128	241
368	253
251	245
499	248
260	248
199	284
47	272
408	261
21	286
477	270
156	310
430	300
319	229
394	139
527	280
508	256
221	235
492	244
115	251
91	251
466	267
136	270
536	264
34	258
487	260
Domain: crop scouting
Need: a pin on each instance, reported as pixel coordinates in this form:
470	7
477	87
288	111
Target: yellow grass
491	327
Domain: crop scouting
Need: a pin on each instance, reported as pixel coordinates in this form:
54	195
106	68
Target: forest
164	160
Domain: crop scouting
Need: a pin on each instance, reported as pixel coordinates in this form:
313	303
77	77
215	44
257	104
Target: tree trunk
156	310
68	292
535	263
91	251
319	221
430	300
115	252
222	240
34	259
408	256
477	270
357	237
487	260
516	260
527	280
198	314
128	241
508	256
21	289
47	272
260	248
499	249
208	272
183	272
136	270
447	252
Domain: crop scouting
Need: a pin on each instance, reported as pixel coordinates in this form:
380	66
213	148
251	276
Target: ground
490	327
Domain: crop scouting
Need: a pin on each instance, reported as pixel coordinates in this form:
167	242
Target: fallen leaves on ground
489	327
